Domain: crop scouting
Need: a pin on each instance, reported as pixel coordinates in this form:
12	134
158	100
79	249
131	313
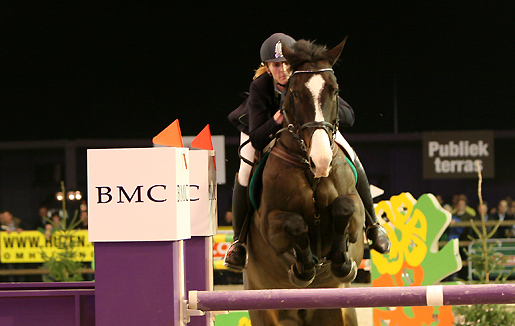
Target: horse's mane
306	51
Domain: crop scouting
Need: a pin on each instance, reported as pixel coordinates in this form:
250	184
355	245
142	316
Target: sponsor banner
27	246
458	154
203	193
139	194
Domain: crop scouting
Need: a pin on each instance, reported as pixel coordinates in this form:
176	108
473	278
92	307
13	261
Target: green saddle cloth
256	183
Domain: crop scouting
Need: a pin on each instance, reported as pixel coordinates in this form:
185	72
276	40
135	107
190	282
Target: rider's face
279	71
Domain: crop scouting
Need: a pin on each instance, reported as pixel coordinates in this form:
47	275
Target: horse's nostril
312	165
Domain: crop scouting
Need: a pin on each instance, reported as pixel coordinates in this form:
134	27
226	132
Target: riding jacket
255	115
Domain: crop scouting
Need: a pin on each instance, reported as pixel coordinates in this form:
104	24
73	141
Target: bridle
295	129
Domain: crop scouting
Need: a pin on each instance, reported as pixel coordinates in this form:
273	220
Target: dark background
82	69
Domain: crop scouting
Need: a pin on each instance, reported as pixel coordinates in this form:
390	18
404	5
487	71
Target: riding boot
236	256
374	231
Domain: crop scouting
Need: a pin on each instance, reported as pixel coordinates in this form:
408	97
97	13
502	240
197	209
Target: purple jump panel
353	297
138	283
199	271
51	304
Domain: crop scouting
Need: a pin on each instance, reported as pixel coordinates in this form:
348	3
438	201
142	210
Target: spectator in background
440	200
226	220
41	221
482	210
463	215
38	223
83	225
502	215
470	211
493	211
452	231
228	217
511	209
83	220
50	228
10	223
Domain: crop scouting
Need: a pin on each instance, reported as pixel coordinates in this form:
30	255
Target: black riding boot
236	256
375	232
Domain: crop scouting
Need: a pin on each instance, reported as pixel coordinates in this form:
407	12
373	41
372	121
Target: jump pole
436	295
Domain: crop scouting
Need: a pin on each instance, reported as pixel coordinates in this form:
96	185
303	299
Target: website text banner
457	154
27	246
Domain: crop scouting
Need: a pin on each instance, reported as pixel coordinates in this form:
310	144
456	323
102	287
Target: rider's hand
278	117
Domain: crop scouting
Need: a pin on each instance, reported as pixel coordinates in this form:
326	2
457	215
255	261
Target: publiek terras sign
458	154
139	194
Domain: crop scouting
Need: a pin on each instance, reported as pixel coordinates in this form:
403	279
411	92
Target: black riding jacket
255	115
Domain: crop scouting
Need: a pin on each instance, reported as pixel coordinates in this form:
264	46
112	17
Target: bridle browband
295	130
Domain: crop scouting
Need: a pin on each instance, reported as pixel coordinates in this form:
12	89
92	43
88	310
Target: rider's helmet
271	49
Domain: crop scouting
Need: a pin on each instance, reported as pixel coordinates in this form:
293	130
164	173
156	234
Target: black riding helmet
271	49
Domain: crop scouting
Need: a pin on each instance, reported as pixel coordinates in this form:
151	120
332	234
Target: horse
308	229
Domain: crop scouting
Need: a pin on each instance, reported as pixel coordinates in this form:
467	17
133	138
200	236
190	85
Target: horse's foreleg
303	271
342	266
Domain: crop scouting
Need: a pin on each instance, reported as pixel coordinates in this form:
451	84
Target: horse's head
311	102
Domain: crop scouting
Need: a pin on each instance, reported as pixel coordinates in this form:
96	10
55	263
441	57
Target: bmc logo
154	193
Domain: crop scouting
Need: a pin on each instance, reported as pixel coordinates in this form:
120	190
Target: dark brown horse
308	230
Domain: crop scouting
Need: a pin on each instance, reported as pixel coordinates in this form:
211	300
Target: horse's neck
290	144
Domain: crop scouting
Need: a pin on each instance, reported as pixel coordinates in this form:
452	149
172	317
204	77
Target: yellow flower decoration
244	321
407	229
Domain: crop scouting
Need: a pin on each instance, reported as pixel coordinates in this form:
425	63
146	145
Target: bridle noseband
295	130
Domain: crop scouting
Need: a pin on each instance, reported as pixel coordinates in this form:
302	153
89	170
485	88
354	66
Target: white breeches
247	152
343	143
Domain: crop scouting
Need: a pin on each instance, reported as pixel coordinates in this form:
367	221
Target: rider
260	117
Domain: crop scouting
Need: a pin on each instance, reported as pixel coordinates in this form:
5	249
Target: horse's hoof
341	271
298	279
351	275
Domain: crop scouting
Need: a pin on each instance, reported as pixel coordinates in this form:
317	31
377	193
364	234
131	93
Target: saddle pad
353	167
256	183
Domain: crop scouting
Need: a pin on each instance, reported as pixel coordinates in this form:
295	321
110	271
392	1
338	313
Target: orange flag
170	136
203	139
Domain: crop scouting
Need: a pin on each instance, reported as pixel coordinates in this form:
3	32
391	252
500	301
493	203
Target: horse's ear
335	52
287	53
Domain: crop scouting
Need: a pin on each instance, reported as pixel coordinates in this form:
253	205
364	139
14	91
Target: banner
203	193
27	246
458	154
139	194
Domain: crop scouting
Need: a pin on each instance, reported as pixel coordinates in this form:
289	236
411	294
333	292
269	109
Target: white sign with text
203	193
139	194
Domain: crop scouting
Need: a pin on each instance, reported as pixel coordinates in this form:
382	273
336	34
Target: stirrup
235	250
